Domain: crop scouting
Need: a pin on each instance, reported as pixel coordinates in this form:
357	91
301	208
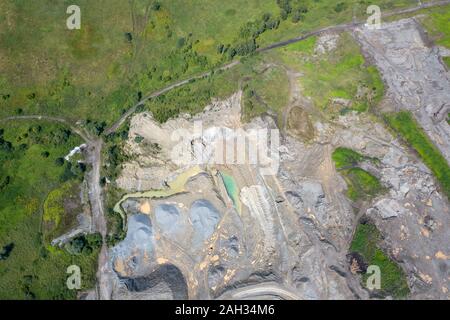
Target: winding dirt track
261	290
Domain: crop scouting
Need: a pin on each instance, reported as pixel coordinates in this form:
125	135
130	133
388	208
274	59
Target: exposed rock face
412	195
133	256
416	77
387	208
204	218
168	219
152	164
166	282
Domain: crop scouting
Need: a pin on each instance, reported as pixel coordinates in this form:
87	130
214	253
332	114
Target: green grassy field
447	61
404	124
361	184
266	89
344	157
33	180
57	218
96	72
437	23
341	73
393	279
127	48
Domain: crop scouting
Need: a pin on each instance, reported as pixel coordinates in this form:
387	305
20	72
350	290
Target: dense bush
84	244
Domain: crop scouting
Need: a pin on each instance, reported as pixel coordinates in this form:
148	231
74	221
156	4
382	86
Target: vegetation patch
114	158
447	61
437	24
265	90
6	251
320	13
307	46
361	184
61	208
404	124
344	157
85	244
365	244
103	69
195	96
30	268
337	81
116	230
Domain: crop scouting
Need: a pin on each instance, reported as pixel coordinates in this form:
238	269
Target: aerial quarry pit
283	165
228	232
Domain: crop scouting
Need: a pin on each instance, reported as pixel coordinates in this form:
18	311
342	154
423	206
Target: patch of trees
190	57
6	251
286	8
31	96
45	154
115	158
188	99
5	145
71	171
59	162
4	182
36	135
115	225
119	136
295	9
114	155
253	29
182	58
138	139
250	32
84	244
181	42
244	49
341	6
129	36
156	6
27	282
95	127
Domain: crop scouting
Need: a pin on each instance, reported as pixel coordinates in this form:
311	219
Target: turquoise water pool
232	188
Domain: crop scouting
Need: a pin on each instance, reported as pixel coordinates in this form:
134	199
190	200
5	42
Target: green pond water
176	186
232	189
